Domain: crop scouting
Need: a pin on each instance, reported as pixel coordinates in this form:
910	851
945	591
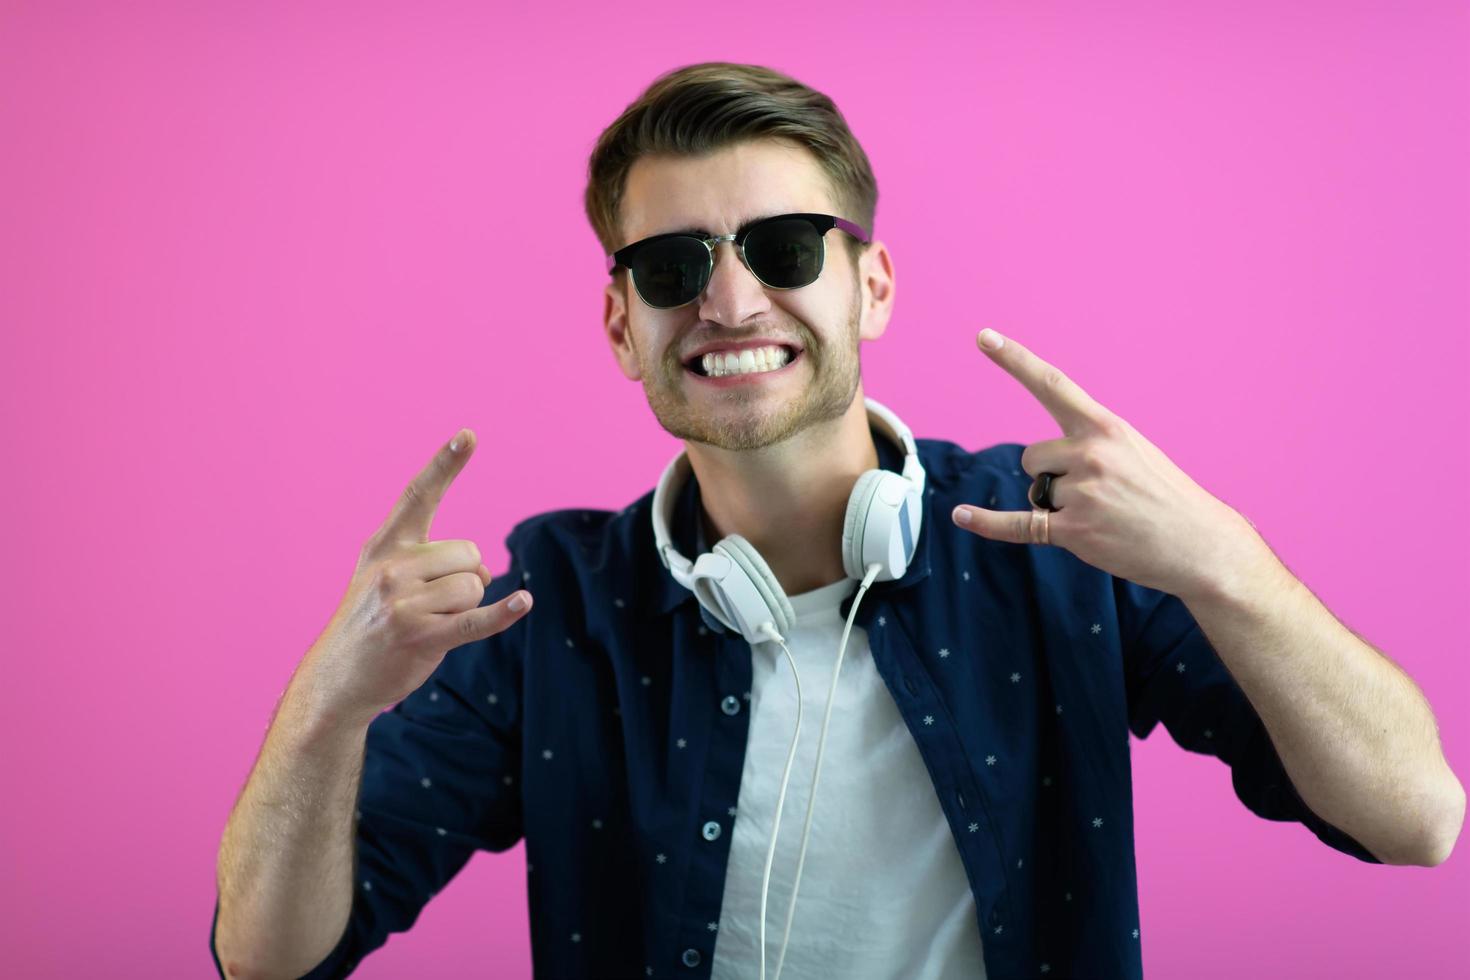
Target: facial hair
746	417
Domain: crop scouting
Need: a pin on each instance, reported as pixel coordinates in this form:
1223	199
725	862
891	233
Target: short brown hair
701	108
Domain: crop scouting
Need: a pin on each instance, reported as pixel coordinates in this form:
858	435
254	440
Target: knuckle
474	549
373	547
469	626
387	579
1094	458
412	495
396	617
1053	379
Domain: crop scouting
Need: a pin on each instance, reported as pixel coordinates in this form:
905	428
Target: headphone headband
679	468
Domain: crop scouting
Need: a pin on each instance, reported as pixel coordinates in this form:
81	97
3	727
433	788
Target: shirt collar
687	532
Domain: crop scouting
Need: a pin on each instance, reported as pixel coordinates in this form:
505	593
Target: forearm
286	856
1354	733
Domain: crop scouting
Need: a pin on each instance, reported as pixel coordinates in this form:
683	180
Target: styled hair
697	109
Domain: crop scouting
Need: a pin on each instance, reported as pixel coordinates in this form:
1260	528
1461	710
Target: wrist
316	712
1241	565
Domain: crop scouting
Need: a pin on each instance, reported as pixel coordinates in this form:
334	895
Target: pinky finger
486	621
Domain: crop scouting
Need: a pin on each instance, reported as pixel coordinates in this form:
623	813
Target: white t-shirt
883	893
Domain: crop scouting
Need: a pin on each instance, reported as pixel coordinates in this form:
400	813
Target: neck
789	500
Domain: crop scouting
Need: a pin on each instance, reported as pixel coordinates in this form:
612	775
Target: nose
733	293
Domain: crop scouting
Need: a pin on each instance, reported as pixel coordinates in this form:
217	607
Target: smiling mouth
695	365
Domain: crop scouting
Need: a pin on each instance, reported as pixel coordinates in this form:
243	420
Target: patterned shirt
608	728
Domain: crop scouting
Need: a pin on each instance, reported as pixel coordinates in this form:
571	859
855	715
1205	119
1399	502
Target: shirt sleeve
1174	675
441	780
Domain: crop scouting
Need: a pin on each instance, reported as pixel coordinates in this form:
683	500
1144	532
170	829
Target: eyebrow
705	232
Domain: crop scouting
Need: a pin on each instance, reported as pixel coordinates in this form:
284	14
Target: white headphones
731	580
879	534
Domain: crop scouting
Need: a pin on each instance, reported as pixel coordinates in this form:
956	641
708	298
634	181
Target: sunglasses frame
822	222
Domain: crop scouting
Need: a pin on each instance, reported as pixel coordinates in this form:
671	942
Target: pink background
258	261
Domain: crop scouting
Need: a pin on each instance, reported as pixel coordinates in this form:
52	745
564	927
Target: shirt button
711	831
691	957
731	705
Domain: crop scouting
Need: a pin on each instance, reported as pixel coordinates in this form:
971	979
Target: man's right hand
409	602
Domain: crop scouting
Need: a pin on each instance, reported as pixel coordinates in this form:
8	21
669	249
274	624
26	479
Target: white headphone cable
872	573
770	630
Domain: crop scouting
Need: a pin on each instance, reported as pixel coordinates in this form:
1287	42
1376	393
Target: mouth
695	366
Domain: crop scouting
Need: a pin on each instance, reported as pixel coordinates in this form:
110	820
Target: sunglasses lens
671	272
786	253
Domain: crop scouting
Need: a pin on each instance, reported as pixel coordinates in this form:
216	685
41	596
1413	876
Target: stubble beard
747	417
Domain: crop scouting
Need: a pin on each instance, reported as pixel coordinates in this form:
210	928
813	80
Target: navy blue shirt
607	728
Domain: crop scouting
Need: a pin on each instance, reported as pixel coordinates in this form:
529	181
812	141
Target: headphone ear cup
854	523
711	596
884	514
777	607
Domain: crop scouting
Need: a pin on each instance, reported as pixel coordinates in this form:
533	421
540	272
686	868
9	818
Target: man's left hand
1121	504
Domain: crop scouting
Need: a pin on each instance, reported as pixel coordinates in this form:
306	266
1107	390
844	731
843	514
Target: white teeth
750	361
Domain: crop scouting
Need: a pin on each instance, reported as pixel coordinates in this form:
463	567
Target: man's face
825	320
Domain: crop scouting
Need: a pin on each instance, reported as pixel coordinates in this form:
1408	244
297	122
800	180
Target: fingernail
990	339
961	515
456	441
518	602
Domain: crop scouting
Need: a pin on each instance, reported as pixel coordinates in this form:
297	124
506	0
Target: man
973	812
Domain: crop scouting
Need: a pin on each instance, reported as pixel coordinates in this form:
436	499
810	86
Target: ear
876	282
615	324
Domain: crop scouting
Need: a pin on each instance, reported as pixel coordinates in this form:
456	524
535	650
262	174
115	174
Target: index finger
414	512
1073	408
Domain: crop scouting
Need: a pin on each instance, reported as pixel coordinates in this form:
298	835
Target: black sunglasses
785	251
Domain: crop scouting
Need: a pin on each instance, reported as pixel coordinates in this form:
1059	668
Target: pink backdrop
257	262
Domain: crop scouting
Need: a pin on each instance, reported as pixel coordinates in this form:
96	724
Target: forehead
719	192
